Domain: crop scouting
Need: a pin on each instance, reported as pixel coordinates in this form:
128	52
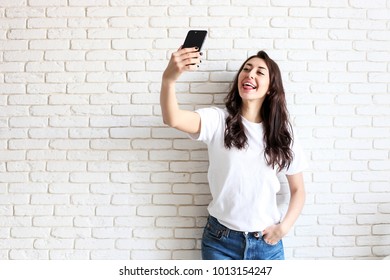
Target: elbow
169	122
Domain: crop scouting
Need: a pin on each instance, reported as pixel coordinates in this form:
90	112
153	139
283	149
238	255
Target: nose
251	74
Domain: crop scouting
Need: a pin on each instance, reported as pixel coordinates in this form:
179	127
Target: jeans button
256	235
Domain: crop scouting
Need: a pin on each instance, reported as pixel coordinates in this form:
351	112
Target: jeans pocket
272	245
274	251
213	231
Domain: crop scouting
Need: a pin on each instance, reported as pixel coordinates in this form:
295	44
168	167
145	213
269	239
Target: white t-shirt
242	185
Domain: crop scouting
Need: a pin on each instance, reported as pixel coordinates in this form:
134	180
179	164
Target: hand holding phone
185	60
195	38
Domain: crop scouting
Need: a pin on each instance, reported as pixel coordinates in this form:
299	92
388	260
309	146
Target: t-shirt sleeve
299	162
210	120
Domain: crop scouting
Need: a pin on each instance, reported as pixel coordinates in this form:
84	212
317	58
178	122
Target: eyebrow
261	67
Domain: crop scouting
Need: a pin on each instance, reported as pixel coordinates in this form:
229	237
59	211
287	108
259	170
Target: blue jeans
222	243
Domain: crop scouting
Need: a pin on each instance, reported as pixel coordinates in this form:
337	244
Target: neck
251	111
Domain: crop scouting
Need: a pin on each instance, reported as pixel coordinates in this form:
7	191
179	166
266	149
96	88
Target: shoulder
213	112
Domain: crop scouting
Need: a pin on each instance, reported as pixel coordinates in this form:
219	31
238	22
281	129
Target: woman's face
253	80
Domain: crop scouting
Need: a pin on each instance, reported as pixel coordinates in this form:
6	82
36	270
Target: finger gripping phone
195	38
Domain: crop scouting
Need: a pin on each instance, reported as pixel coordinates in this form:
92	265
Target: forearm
297	201
168	102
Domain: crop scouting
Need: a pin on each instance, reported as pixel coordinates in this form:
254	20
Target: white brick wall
88	170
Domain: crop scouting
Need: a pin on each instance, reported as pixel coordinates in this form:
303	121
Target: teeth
249	84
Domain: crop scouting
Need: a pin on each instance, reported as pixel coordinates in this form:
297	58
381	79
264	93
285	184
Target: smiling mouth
249	86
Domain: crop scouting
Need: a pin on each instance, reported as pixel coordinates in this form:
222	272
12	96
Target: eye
260	73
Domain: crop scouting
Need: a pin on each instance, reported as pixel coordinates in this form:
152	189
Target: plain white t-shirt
242	185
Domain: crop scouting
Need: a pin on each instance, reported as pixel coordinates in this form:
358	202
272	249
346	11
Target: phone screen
195	38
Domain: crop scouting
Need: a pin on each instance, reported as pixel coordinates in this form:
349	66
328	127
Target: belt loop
226	232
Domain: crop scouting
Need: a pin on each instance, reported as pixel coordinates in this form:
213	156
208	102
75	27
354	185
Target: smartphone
195	38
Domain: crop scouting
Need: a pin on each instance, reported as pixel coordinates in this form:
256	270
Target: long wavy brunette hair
278	136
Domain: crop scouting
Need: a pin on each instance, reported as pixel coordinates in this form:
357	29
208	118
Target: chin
250	95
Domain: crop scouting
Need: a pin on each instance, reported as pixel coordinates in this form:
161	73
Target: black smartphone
195	38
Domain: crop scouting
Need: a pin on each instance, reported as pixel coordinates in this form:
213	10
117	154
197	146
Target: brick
169	177
353	251
51	199
65	55
115	210
50	221
151	255
92	222
344	219
122	199
181	222
74	210
372	240
23	78
82	177
130	133
168	21
49	44
33	210
22	232
151	188
153	210
381	229
46	23
153	233
83	3
131	244
333	241
352	230
372	4
80	133
89	199
64	33
149	166
106	166
12	23
44	3
175	244
17	243
289	22
26	254
93	243
69	254
172	199
313	253
46	88
135	221
68	188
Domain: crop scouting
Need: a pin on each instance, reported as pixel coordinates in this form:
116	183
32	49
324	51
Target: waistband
226	231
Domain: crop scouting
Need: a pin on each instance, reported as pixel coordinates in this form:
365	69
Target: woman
249	143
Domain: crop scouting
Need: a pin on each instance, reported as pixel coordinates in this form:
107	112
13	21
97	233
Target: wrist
167	79
284	228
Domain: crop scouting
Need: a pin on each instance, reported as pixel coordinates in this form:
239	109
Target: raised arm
186	121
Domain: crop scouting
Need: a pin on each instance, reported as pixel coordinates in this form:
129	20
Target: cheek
264	83
240	77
